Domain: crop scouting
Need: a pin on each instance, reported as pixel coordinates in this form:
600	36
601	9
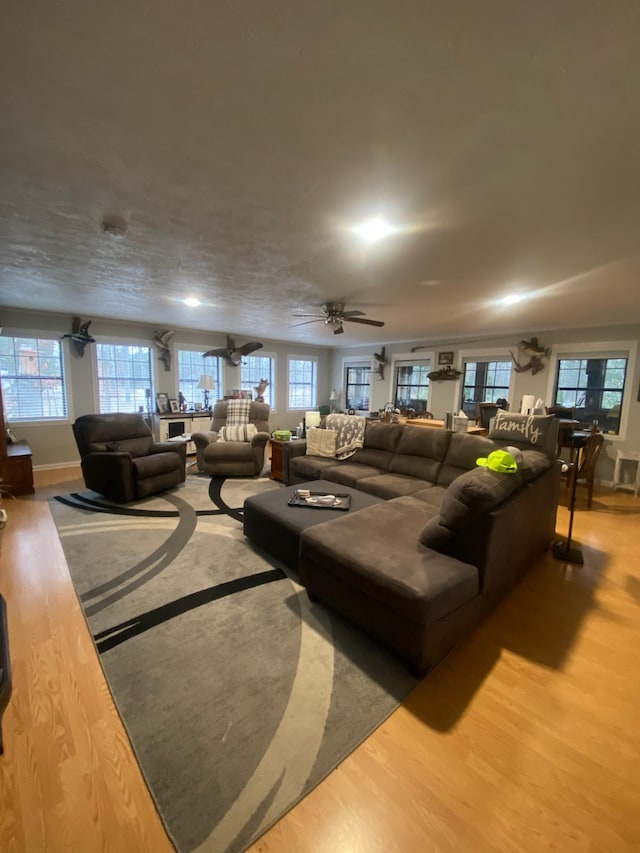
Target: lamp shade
206	382
312	419
333	395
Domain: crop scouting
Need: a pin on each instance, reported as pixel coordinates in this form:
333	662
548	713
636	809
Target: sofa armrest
179	447
260	439
110	474
290	450
203	439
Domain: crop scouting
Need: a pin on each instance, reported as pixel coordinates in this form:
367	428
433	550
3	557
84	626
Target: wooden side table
16	470
276	458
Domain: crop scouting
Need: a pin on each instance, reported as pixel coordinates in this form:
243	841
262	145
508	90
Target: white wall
52	444
445	396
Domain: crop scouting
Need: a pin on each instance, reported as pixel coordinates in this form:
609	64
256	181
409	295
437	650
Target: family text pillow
535	430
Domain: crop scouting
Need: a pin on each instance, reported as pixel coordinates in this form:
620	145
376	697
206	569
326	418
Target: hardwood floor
525	738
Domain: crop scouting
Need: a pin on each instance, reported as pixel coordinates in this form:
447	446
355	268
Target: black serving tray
342	502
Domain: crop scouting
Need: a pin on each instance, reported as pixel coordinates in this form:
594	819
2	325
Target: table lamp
206	384
312	419
333	396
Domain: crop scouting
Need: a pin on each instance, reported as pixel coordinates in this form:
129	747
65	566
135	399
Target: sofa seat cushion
416	582
389	486
156	464
431	495
311	467
349	473
227	451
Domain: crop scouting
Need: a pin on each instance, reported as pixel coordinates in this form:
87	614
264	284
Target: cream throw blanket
350	433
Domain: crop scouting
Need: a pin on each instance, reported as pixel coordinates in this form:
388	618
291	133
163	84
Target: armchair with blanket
235	445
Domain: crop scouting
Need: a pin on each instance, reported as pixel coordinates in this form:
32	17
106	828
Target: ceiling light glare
192	302
373	230
512	298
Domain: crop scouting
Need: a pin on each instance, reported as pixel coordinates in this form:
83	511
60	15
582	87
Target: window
593	388
484	382
253	369
33	383
191	366
302	383
124	378
358	386
412	386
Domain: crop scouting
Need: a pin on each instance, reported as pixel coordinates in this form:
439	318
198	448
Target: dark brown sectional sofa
420	570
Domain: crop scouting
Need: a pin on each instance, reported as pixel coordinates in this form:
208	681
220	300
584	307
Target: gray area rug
238	695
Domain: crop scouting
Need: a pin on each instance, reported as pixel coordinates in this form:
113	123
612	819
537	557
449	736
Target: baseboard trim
54	466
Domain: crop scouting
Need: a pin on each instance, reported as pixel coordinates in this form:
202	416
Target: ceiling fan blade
363	321
339	330
306	322
317	316
347	314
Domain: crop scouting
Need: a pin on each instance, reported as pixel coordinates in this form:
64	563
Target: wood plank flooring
525	738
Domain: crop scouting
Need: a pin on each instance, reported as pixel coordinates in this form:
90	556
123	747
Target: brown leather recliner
226	458
120	459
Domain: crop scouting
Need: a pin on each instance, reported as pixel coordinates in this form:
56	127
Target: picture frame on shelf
445	358
174	407
162	402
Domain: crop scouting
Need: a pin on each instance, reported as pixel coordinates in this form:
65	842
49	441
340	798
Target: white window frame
272	379
599	349
314	389
489	354
126	342
38	334
416	355
210	365
354	361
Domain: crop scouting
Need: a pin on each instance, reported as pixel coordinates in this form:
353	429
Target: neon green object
500	461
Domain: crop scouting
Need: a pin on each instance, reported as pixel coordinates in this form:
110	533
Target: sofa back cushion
380	442
420	452
462	452
478	492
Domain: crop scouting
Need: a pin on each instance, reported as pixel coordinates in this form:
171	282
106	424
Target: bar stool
626	456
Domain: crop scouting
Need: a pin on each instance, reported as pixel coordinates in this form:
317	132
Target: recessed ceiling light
373	230
512	298
192	302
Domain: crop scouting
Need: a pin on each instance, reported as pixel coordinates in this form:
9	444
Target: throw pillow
321	442
531	429
240	432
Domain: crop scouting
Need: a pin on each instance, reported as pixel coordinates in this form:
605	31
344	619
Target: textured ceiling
239	139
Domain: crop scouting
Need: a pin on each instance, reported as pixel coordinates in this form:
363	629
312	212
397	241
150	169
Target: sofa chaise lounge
450	539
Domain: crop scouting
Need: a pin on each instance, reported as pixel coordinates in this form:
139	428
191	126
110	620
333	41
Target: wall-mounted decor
231	353
445	358
446	372
161	341
380	363
79	336
535	354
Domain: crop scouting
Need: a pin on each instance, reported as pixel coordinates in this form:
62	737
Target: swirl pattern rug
238	695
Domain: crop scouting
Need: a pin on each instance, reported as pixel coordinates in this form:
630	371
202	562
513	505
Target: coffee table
271	524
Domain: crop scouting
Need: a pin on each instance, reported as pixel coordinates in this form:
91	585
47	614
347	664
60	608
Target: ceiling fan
334	315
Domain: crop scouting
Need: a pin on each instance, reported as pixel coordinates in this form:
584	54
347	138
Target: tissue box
460	424
281	434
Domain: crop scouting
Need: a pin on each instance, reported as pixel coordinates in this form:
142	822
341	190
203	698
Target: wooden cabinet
276	458
16	470
173	425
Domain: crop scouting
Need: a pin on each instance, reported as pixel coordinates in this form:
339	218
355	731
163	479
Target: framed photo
198	407
445	358
174	407
162	402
